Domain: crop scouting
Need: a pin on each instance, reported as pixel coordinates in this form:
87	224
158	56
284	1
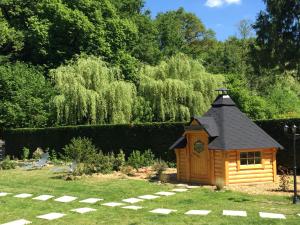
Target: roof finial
222	91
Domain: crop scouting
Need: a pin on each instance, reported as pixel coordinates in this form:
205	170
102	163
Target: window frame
250	166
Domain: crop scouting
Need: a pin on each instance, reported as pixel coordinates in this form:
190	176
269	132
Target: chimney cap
222	91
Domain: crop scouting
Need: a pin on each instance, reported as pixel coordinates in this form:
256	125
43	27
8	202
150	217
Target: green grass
45	182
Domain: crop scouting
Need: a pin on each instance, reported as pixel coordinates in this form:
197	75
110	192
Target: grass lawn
45	182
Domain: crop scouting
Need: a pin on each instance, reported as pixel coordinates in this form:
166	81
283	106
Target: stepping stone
91	200
51	216
165	193
2	194
17	222
192	187
132	200
65	199
83	210
134	207
163	211
180	189
271	215
113	204
181	185
24	195
234	213
148	197
43	197
198	212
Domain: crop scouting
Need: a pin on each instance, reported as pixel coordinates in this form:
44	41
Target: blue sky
220	15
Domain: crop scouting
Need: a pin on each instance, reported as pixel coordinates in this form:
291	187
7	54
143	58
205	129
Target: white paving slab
17	222
198	212
132	200
23	195
165	193
192	187
113	204
234	213
83	210
298	214
181	185
271	215
51	216
91	200
2	194
179	189
65	198
134	207
148	197
162	211
43	197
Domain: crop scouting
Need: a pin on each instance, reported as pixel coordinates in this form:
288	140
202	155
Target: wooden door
199	157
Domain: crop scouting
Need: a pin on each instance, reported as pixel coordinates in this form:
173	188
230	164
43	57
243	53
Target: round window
198	146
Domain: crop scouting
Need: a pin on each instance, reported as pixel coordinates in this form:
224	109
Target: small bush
102	163
138	159
80	150
119	161
38	153
284	179
159	167
25	153
7	164
128	170
220	183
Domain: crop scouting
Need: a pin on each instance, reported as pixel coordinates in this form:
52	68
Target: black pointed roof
231	129
236	130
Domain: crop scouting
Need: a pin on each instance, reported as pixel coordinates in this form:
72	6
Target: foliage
128	170
80	150
176	89
25	153
91	93
7	164
277	30
37	153
284	179
25	96
180	31
159	167
138	159
119	161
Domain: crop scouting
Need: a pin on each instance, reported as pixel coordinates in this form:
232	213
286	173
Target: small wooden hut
225	145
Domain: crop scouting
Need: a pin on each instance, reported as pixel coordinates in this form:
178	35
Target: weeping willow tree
90	92
177	88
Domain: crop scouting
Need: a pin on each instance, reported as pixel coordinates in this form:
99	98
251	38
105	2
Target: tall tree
180	31
278	35
25	96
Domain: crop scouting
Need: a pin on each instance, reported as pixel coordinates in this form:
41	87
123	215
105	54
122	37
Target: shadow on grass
239	199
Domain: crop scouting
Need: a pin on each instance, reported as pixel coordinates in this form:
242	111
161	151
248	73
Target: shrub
159	167
138	159
119	161
25	153
220	183
128	170
284	179
7	164
80	150
103	163
38	153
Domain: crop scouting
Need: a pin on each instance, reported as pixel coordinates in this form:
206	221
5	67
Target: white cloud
214	3
219	3
233	1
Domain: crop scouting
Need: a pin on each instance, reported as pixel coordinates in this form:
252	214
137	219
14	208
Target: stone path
182	188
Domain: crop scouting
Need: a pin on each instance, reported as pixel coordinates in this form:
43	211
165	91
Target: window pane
257	154
250	154
250	161
243	155
243	162
257	160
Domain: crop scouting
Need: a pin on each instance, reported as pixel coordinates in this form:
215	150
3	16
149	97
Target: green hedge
155	136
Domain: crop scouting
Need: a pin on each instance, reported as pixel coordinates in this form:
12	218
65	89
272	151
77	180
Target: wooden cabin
225	145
